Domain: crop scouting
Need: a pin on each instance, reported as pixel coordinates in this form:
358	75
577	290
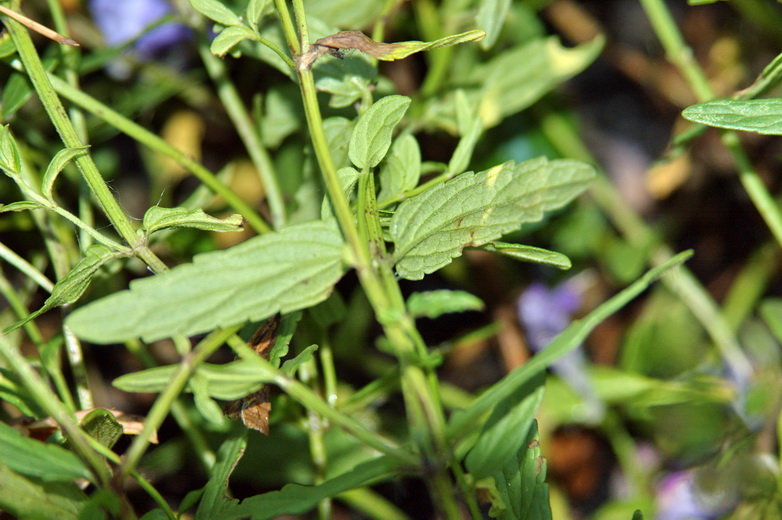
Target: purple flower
678	498
120	21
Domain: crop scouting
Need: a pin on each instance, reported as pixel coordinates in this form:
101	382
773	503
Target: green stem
56	111
681	55
155	143
26	268
232	102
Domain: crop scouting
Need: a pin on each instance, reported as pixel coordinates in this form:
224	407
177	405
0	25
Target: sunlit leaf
157	218
216	11
490	18
22	205
432	228
56	165
762	116
393	51
229	37
535	255
276	272
372	134
432	304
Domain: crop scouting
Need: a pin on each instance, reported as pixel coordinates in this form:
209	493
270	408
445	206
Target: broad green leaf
504	432
229	381
157	218
282	115
215	496
432	304
464	421
255	9
33	458
277	272
10	160
338	131
22	205
70	288
393	51
348	14
102	426
371	136
471	128
432	228
516	78
56	165
490	18
216	11
16	91
762	116
295	498
521	492
229	37
531	254
32	499
401	168
348	80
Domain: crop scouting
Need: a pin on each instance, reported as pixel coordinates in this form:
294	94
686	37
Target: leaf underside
762	116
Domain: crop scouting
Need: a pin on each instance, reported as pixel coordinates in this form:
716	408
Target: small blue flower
120	21
678	498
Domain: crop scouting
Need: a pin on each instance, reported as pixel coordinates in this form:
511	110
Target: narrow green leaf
504	432
431	229
16	91
295	498
33	458
157	218
276	272
21	497
762	116
56	165
216	11
72	286
10	160
255	9
769	79
771	312
22	205
102	426
290	366
214	497
464	421
535	255
205	405
432	304
490	18
471	128
393	51
401	169
285	331
371	136
229	37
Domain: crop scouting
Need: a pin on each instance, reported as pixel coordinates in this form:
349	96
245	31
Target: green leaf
228	381
10	160
216	11
35	500
771	312
464	421
504	432
490	18
769	79
401	169
393	51
371	136
290	367
277	272
214	497
348	80
344	13
157	218
22	205
432	304
72	286
255	9
56	165
432	228
16	91
516	78
522	492
535	255
295	498
471	128
205	405
285	331
229	37
762	116
102	426
33	458
338	131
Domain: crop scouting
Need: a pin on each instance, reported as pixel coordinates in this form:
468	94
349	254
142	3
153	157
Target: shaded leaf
401	169
56	165
348	79
72	286
10	160
33	458
762	116
31	499
371	136
229	37
216	11
432	304
16	91
214	497
531	254
471	128
432	228
290	366
490	18
255	10
276	272
205	405
101	425
22	205
393	51
157	218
